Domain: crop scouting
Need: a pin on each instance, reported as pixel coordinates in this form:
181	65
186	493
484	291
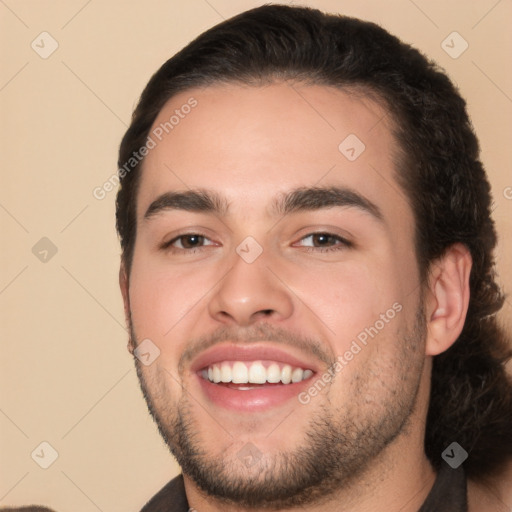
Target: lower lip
251	400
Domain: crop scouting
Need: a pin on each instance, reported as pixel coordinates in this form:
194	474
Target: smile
252	377
254	372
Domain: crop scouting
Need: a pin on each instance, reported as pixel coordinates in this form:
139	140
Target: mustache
253	334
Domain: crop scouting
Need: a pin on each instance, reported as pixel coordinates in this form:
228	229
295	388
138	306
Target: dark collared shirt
448	494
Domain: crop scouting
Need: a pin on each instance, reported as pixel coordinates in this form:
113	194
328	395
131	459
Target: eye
187	242
324	242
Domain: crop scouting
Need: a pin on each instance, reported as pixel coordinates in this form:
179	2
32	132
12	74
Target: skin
249	144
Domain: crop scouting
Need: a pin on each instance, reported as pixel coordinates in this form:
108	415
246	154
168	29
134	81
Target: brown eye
324	242
191	241
187	242
323	239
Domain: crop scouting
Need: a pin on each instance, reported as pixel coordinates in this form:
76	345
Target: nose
251	292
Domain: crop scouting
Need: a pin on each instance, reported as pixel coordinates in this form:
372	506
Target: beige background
65	375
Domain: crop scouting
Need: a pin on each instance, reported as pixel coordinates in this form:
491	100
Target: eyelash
168	245
344	244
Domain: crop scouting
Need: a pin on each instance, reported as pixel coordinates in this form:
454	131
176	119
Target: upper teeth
255	372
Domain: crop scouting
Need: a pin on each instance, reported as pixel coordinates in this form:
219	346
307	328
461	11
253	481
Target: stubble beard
338	447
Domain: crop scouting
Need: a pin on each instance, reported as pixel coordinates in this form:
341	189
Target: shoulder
171	498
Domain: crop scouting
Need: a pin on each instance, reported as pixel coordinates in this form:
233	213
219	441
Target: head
349	161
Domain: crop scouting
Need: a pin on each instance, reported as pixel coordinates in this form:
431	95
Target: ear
447	298
125	287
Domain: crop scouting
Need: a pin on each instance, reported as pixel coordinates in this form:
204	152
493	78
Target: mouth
251	378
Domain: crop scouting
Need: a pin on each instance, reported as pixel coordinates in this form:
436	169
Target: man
307	273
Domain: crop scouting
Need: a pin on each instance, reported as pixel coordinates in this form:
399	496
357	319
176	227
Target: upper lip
252	352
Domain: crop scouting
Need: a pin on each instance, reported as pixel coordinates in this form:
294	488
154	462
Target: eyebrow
199	200
296	200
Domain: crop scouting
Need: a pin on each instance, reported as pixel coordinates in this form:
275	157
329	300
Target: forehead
252	142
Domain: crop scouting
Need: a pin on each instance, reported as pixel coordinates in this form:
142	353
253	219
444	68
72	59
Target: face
274	270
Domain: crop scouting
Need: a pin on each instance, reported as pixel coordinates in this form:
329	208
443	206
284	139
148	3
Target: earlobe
124	286
448	299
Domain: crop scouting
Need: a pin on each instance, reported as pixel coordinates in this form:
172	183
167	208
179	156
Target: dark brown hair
439	170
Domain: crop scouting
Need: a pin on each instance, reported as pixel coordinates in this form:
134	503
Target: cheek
161	299
348	298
